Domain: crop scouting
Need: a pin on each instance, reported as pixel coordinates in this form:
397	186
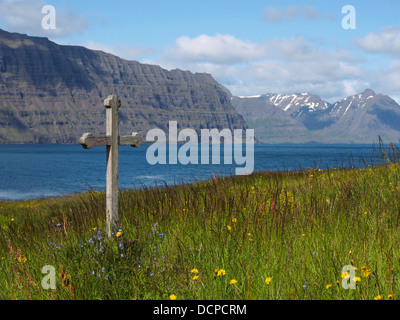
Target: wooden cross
112	140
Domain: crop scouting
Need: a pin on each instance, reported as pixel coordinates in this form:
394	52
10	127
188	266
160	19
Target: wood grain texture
111	140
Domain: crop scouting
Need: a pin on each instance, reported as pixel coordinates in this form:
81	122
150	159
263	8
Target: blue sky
251	47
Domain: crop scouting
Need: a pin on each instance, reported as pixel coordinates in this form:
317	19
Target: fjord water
35	171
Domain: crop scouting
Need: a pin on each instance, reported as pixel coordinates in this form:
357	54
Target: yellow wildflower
234	220
367	273
233	281
328	286
172	297
194	271
356	279
390	296
229	228
195	278
378	297
221	272
22	259
119	233
268	280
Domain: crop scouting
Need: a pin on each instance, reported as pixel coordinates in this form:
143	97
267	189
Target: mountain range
304	117
52	93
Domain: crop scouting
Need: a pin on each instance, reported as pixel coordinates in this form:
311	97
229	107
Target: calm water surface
34	171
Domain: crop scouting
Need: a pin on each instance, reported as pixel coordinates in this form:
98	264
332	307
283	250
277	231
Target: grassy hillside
269	235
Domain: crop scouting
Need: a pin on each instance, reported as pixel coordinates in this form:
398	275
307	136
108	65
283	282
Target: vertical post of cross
112	140
112	104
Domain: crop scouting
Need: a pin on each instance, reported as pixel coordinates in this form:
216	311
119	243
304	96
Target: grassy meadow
269	235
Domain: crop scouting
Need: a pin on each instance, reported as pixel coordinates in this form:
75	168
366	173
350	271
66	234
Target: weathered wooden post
111	140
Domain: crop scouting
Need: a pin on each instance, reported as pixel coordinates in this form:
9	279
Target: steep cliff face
52	94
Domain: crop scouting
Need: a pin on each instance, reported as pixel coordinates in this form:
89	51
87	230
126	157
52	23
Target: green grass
297	228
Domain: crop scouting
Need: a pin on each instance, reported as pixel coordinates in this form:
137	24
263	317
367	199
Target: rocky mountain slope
303	117
51	93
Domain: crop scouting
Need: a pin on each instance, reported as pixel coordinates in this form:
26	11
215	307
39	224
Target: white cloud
275	14
386	41
276	65
386	79
221	49
25	16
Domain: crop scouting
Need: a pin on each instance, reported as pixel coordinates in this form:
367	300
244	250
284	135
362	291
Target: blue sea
36	171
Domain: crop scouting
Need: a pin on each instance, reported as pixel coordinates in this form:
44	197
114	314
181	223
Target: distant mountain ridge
52	93
304	117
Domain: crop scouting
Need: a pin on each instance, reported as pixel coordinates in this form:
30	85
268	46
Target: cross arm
134	140
88	140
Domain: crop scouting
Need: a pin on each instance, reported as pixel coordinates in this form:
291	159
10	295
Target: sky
250	47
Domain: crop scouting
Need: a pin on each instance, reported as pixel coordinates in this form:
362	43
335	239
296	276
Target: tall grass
269	235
